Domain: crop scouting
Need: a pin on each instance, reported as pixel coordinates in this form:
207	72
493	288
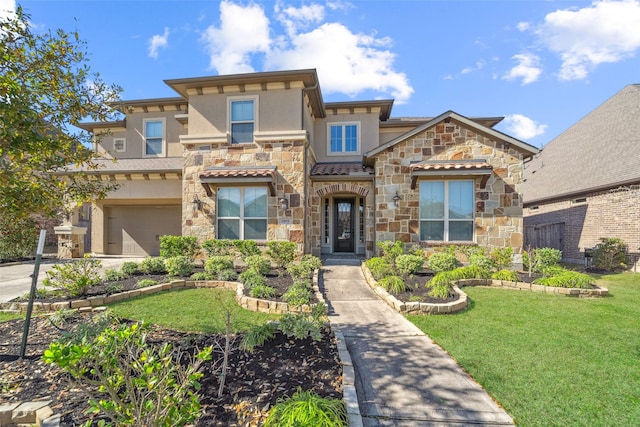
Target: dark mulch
253	384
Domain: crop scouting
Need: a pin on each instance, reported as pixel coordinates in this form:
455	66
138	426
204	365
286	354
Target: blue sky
541	64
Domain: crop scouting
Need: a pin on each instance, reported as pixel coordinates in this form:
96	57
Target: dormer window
242	119
343	138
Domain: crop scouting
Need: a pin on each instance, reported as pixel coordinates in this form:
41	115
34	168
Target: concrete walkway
402	377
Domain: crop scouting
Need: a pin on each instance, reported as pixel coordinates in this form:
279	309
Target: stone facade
498	201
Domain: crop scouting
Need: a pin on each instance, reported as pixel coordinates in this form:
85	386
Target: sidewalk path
402	377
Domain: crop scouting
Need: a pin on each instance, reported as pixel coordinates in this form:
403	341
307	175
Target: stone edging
249	303
462	302
349	396
36	413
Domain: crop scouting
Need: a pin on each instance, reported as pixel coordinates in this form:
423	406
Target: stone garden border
249	303
462	302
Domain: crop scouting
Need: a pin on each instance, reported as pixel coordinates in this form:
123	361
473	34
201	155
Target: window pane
351	138
336	139
432	230
228	202
229	229
255	202
431	200
242	110
460	199
153	130
241	133
255	229
154	146
461	230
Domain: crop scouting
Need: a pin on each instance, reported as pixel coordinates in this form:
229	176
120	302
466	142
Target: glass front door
344	237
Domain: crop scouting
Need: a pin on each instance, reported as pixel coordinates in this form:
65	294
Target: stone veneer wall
498	210
588	218
287	156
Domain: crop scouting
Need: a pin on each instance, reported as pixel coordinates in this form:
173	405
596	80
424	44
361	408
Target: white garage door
136	230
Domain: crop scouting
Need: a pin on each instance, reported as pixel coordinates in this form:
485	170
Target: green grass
551	360
4	316
191	310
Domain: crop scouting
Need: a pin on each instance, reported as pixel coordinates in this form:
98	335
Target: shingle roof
600	151
329	169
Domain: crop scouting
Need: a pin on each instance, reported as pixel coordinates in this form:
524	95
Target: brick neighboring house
585	184
261	156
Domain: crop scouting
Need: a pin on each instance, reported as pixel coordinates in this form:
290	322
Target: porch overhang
239	176
338	171
449	168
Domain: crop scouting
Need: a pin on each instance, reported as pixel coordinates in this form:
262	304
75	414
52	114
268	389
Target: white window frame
446	218
242	218
164	136
115	145
255	121
344	125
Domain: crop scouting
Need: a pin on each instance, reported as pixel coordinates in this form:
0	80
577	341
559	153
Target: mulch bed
253	383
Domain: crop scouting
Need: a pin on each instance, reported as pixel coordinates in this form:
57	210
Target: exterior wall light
284	203
396	199
197	203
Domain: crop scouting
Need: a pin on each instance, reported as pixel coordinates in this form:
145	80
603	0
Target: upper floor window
446	210
154	137
242	119
119	145
344	138
242	213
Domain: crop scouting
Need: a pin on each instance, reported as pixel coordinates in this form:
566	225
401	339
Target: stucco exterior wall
368	128
498	206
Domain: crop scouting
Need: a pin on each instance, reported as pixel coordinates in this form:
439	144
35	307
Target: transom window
242	118
242	213
446	210
343	138
154	137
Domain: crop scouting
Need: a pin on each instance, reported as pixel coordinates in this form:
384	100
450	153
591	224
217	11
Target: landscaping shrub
217	263
566	279
111	275
130	268
262	291
610	254
258	263
393	284
251	278
300	270
508	275
75	277
228	275
379	267
470	272
257	336
481	261
153	265
218	247
299	293
281	252
409	264
303	325
172	246
306	408
391	250
543	258
201	275
247	247
131	382
442	261
311	261
18	237
441	285
179	266
144	283
501	257
114	288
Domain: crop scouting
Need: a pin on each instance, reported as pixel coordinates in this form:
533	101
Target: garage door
136	230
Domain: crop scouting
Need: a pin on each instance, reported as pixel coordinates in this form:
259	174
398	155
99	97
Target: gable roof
527	149
600	151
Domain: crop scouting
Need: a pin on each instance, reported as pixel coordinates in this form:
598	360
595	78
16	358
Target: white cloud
346	62
243	31
158	41
522	127
606	31
7	8
528	68
523	26
479	66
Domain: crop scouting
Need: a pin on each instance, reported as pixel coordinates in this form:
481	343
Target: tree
46	85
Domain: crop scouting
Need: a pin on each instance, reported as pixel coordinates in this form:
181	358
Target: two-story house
261	156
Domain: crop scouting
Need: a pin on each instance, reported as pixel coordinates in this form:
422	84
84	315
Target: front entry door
344	228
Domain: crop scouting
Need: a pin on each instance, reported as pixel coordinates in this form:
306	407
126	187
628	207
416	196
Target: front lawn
6	315
549	359
191	310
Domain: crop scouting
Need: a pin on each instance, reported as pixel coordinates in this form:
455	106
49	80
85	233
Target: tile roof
450	166
238	173
331	169
600	151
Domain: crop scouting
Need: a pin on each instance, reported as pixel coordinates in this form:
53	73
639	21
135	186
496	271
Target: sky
540	64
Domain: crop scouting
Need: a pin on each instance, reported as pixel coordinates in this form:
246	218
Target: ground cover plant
548	359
